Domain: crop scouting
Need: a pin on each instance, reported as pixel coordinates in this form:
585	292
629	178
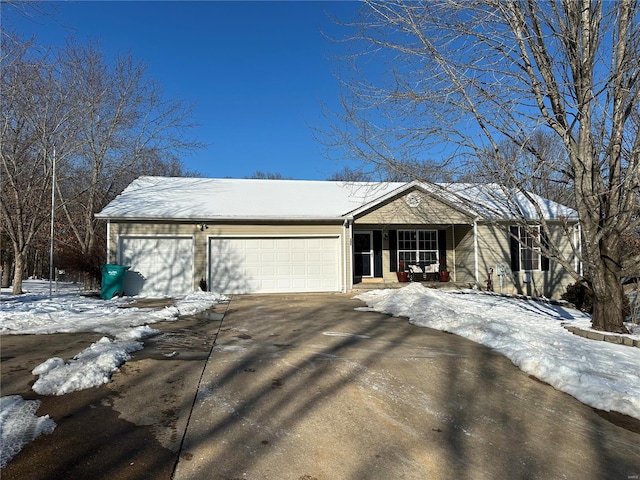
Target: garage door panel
267	271
253	258
283	256
283	270
292	264
267	257
298	257
300	245
315	257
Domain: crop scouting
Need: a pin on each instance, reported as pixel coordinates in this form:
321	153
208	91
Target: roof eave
126	218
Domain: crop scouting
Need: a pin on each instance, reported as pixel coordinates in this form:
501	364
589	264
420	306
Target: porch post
347	262
475	249
453	250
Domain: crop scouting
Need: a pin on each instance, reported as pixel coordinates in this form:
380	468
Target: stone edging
612	338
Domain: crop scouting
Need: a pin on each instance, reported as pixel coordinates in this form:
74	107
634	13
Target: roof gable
412	205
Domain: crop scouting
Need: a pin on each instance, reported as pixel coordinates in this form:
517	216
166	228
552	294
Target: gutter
216	219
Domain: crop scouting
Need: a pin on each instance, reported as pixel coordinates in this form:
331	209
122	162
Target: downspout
475	251
350	262
108	240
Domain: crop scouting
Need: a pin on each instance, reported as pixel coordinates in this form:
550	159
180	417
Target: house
271	236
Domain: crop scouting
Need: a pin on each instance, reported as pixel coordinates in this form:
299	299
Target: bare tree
349	174
34	111
108	122
401	172
455	80
125	127
260	175
551	179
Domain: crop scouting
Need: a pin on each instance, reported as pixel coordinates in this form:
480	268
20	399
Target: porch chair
421	271
414	270
432	272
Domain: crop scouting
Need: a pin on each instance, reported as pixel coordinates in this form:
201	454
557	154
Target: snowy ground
67	311
531	334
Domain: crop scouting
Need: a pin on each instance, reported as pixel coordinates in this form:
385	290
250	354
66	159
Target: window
417	246
525	251
530	248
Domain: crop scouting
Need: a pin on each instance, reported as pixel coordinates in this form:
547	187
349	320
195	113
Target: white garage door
274	264
160	266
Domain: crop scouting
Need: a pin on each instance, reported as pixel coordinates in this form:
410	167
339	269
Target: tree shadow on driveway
305	386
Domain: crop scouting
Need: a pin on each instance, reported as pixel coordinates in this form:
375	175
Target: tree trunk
7	272
608	297
608	308
87	280
18	273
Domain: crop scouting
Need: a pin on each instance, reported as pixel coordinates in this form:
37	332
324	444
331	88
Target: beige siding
201	238
464	264
494	247
387	274
398	212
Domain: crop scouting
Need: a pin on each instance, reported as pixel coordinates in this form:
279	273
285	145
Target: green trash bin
112	280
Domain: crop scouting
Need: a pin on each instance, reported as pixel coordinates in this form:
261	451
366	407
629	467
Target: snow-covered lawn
531	334
67	311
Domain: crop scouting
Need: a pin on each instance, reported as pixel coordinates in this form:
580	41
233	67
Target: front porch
380	252
379	283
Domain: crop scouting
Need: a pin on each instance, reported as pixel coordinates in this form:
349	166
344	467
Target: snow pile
19	425
190	305
531	334
36	313
90	368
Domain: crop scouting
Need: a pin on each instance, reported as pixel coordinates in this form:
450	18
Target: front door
363	254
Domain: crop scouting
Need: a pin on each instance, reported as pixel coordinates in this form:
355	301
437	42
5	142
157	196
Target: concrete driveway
306	387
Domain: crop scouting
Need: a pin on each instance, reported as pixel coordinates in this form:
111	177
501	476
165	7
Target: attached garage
160	266
274	264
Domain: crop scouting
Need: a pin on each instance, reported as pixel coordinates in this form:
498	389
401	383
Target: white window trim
417	250
535	250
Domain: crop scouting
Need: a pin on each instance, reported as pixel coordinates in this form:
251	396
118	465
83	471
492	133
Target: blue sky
258	72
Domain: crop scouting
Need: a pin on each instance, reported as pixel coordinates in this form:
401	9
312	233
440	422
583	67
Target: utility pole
53	209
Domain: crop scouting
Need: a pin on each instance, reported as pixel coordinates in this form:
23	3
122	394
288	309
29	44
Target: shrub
581	296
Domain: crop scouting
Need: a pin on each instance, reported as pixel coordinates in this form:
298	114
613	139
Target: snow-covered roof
185	198
213	198
498	202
